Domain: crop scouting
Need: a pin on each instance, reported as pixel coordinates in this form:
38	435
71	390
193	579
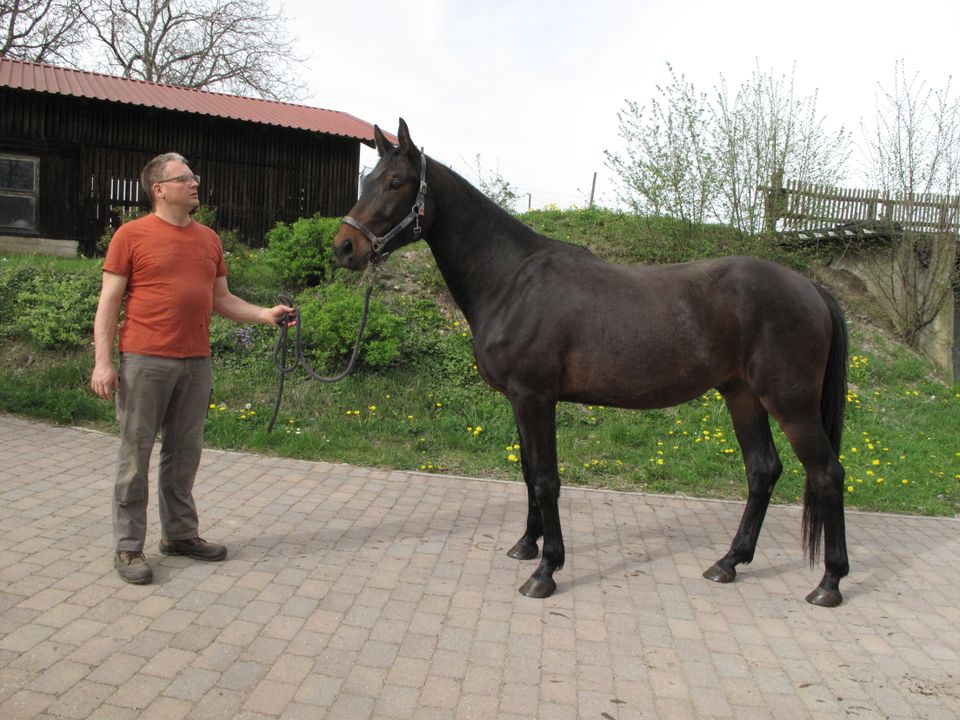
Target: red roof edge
40	77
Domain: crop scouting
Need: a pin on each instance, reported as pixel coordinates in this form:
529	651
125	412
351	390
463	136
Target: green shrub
302	254
125	215
438	348
55	309
15	278
331	317
229	339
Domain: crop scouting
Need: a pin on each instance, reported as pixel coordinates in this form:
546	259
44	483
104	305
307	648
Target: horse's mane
497	215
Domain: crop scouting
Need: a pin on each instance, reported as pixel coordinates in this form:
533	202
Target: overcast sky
534	87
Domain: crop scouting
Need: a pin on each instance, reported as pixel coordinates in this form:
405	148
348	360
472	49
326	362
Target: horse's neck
477	245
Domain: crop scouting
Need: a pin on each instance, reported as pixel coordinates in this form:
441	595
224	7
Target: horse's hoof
720	574
535	588
523	551
825	598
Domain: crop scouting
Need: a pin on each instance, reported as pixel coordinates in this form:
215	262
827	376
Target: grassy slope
900	447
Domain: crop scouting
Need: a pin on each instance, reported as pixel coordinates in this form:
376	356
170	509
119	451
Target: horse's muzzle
350	249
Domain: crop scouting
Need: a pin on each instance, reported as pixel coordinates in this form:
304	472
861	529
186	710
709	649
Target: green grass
432	413
900	449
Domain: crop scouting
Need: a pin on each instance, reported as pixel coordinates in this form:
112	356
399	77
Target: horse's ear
403	135
383	145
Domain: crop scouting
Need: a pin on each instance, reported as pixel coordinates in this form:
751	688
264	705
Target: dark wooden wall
91	153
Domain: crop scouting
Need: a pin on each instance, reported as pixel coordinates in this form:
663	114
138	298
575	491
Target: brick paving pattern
357	593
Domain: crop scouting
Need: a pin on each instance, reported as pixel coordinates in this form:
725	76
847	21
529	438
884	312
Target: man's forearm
239	310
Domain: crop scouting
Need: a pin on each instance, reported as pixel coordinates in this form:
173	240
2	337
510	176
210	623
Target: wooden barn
72	145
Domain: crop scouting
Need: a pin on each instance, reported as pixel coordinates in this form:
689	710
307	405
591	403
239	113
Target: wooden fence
804	206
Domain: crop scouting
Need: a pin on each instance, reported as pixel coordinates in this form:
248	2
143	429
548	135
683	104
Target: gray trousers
170	397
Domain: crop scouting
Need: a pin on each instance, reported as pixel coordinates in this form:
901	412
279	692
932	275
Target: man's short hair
153	172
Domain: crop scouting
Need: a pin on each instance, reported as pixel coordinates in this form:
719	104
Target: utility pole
593	188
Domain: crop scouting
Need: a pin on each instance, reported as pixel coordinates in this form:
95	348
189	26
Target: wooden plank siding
91	153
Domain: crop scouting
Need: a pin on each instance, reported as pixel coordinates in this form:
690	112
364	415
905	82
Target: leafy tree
764	133
234	46
41	30
696	158
669	167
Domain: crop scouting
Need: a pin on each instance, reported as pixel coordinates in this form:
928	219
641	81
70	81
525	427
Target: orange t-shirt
170	273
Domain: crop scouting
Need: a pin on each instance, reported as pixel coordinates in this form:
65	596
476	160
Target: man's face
179	187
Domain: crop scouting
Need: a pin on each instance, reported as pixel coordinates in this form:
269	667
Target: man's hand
282	315
105	381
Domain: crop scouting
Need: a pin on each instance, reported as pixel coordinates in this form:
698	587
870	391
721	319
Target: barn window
18	193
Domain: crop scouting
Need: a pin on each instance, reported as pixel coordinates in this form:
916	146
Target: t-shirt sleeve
221	262
118	254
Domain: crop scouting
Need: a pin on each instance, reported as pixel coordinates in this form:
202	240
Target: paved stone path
355	593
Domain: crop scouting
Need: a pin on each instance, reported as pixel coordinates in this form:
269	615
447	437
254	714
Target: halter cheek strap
416	212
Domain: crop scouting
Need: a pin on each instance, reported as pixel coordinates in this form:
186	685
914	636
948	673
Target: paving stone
351	592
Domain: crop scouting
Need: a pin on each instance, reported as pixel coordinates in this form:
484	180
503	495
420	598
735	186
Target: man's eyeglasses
182	179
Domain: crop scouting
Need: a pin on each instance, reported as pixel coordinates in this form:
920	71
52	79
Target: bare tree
913	143
234	46
41	30
913	156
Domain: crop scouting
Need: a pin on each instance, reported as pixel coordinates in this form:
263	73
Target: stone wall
910	283
40	246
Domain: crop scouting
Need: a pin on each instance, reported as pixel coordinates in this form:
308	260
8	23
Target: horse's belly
631	398
641	381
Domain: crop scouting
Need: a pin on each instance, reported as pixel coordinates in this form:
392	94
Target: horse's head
390	210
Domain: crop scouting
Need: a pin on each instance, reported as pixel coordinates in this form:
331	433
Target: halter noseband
416	212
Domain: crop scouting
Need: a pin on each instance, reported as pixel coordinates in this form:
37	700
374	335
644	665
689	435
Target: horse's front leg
536	424
526	547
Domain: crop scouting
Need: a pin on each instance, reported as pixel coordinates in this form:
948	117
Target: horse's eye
395	184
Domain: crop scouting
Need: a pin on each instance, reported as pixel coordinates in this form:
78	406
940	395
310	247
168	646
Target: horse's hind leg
822	507
752	426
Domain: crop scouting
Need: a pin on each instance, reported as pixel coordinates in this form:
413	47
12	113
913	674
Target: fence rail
805	206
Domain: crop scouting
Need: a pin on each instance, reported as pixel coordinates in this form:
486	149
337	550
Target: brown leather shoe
133	568
196	548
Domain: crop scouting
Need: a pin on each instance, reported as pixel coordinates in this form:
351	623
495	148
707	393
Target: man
171	273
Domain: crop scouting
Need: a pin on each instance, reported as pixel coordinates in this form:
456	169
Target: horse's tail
833	403
833	397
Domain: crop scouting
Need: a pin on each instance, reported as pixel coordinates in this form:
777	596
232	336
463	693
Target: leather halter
416	212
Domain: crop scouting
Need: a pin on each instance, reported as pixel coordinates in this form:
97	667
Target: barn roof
38	77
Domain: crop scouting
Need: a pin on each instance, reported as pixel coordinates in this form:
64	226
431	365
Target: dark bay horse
552	322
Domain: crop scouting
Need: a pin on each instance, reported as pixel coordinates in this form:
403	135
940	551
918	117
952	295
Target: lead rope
280	349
